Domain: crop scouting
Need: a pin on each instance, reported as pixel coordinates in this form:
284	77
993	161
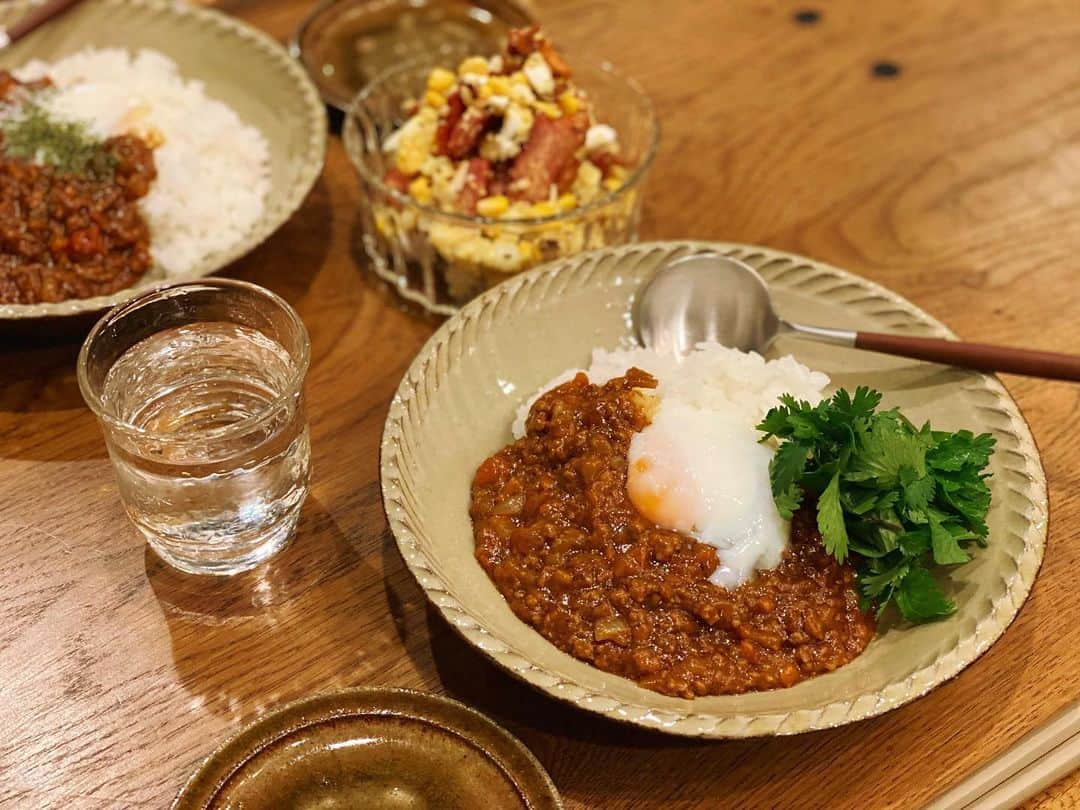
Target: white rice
213	169
712	377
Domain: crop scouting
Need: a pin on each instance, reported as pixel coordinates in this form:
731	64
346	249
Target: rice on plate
213	170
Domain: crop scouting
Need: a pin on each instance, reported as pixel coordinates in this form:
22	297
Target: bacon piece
567	175
500	179
449	120
522	41
475	189
397	180
467	133
555	61
547	154
606	161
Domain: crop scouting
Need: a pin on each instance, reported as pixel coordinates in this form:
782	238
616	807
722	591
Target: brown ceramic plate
457	401
377	748
344	44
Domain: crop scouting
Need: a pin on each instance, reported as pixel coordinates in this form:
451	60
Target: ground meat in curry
558	535
67	235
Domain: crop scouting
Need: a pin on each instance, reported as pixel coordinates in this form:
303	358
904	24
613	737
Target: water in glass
217	467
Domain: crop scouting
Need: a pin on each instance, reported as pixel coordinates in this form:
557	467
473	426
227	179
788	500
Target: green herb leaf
830	520
31	134
775	423
857	501
947	549
884	451
920	598
897	497
788	501
917	497
880	575
953	452
915	543
785	470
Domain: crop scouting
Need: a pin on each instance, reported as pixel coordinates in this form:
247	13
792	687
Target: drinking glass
199	391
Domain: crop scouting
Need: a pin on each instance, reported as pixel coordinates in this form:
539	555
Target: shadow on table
289	260
42	413
39	375
264	636
470	677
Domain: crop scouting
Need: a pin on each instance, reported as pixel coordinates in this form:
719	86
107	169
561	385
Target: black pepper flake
806	16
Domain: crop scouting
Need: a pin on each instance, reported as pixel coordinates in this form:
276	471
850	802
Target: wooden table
954	178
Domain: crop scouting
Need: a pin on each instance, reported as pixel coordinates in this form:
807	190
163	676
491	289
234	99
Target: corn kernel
543	209
522	94
518	78
613	183
420	189
485	92
499	85
569	102
474	64
492	206
440	80
528	251
548	109
383	224
567	202
434	99
410	157
519	209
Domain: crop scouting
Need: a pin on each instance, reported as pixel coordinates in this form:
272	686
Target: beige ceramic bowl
239	65
455	405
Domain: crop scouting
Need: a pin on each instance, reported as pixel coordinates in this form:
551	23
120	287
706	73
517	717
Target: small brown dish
371	748
345	44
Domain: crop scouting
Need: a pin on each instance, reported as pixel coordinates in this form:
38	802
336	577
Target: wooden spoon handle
37	16
979	356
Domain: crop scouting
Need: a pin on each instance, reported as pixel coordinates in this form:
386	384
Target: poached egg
703	473
699	467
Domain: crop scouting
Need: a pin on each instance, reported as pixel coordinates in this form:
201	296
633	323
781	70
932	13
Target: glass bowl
441	259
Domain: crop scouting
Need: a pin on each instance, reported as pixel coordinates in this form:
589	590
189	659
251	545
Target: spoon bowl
705	297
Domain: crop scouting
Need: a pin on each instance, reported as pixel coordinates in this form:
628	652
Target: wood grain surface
950	174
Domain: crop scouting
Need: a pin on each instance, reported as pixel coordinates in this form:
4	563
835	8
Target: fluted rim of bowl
354	146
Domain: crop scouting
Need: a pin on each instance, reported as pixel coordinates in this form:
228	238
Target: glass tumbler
199	391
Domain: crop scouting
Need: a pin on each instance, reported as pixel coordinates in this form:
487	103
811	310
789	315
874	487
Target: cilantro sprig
901	499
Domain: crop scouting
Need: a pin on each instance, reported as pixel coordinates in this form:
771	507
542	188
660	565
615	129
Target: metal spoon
712	297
